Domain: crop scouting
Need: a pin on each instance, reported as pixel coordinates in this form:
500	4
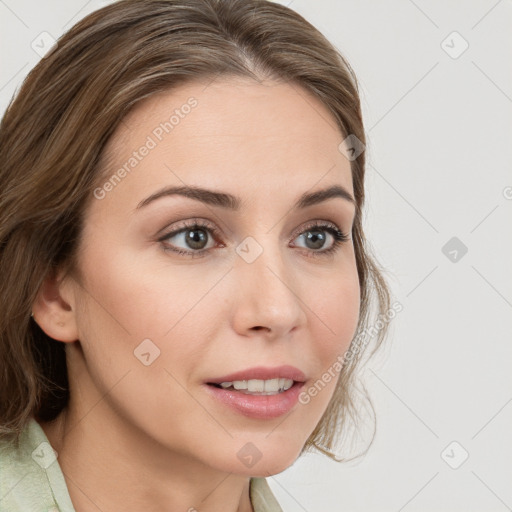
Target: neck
109	464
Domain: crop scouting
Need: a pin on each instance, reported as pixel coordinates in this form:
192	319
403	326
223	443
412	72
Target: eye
193	237
198	237
317	235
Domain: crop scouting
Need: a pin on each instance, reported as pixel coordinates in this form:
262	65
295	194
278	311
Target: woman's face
258	286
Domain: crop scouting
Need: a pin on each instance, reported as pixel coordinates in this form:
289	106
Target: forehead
235	134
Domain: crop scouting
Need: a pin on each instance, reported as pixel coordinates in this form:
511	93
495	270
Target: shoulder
30	474
262	498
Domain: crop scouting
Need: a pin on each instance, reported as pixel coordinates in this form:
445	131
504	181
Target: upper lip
262	373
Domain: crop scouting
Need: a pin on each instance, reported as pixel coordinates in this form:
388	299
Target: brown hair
53	134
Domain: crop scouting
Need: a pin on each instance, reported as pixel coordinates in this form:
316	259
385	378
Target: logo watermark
357	345
152	140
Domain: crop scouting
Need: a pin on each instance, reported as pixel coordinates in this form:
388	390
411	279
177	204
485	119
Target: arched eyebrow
231	202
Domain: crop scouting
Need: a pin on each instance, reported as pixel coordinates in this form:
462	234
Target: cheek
140	309
137	295
139	337
336	310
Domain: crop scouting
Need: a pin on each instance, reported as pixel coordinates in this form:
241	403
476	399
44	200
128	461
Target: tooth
272	385
269	386
255	385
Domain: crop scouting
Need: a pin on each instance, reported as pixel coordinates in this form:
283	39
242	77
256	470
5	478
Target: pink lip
262	373
259	406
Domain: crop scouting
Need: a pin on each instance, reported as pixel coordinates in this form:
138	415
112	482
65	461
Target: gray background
439	129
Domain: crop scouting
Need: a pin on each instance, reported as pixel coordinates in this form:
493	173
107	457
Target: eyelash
338	236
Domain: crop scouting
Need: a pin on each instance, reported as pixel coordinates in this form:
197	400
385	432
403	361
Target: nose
268	295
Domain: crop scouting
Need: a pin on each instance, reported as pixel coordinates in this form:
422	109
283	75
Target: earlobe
54	308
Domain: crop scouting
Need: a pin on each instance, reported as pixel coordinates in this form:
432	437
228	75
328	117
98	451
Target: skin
168	443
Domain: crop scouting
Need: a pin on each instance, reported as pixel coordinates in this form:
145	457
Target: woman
185	277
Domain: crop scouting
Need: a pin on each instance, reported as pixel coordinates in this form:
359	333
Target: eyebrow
231	202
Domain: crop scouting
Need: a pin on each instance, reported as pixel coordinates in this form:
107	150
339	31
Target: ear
54	308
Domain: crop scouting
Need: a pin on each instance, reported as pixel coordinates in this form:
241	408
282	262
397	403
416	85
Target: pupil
318	239
196	238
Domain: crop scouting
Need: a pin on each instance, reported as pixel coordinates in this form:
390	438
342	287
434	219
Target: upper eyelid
189	224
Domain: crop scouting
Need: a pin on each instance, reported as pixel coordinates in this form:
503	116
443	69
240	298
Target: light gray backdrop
436	85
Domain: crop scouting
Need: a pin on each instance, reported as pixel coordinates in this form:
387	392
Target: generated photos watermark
152	141
358	344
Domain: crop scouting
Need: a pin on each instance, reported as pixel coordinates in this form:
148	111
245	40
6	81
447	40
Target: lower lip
258	406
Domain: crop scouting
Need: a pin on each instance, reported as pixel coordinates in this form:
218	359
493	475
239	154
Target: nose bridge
266	295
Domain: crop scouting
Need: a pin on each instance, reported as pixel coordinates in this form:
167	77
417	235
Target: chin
263	458
272	467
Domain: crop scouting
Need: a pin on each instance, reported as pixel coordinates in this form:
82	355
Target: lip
259	406
262	373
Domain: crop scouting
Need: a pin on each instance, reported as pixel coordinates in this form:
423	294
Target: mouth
256	386
261	393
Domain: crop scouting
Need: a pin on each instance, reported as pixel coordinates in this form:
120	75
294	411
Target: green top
31	479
